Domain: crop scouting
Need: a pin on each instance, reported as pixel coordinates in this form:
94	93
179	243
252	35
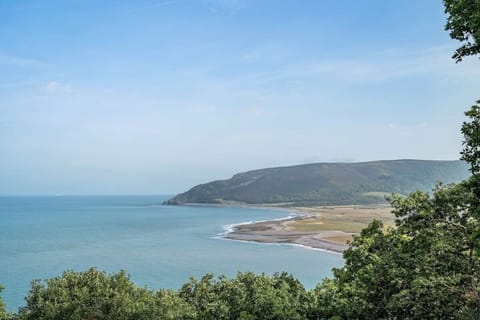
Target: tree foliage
3	313
428	267
96	295
248	296
425	268
471	132
463	23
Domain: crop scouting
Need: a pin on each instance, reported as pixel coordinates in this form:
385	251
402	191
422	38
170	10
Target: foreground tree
428	267
248	296
3	313
471	132
463	22
97	295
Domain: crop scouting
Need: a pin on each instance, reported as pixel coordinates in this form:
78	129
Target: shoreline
278	231
282	244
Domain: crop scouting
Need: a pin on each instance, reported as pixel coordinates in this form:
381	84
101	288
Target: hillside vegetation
327	183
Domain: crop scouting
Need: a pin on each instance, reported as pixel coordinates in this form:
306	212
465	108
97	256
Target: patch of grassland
344	218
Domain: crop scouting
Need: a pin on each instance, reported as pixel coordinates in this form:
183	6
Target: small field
349	219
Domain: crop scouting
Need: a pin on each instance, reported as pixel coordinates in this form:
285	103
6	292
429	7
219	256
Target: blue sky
129	97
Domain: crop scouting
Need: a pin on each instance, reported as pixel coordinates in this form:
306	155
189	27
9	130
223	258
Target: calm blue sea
159	246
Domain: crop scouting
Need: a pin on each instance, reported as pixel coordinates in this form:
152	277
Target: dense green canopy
96	295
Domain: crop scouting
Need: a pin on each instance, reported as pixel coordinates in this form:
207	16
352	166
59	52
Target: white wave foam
229	228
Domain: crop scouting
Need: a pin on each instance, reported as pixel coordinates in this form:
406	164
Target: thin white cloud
407	130
225	5
57	87
205	109
13	60
255	111
153	5
18	84
251	56
380	67
269	53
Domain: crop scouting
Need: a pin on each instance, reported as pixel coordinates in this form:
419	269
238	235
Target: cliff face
327	183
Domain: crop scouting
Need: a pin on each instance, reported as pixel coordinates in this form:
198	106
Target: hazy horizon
153	97
190	186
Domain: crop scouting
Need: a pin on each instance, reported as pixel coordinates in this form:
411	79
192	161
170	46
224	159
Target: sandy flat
328	228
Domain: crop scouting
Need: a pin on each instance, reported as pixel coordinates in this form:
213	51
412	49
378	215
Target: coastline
280	231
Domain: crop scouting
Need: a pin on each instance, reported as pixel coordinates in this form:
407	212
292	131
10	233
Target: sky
155	96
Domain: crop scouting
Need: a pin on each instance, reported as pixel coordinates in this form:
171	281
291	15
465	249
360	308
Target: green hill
326	183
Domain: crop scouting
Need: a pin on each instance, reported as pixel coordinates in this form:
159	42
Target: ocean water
159	246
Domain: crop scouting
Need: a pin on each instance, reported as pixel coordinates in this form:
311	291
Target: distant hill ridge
326	183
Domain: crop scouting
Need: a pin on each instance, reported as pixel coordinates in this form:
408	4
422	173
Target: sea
159	246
